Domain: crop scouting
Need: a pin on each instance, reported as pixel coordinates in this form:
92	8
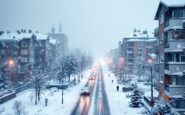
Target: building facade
171	40
23	54
135	50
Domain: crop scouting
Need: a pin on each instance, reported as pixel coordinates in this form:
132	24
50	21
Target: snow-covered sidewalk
55	107
118	102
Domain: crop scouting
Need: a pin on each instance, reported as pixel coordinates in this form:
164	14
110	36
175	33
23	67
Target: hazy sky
95	25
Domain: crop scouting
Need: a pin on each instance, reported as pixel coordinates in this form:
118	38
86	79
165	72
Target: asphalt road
101	106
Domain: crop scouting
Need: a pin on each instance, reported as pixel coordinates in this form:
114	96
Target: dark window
182	58
178	13
179	34
177	56
180	103
180	81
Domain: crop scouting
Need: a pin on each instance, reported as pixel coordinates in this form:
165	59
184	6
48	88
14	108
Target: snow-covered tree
162	107
135	98
62	74
70	66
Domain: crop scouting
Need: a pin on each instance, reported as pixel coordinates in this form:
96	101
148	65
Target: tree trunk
69	77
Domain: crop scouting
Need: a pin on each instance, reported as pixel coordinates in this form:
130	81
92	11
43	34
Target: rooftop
173	3
21	35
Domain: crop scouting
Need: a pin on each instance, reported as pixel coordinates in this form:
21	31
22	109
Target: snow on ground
118	102
55	107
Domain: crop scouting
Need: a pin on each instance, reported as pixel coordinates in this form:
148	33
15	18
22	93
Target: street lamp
62	91
150	61
11	64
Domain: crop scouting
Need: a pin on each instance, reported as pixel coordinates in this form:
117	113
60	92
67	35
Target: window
179	34
178	13
24	44
177	57
182	58
180	81
24	52
180	103
3	52
24	59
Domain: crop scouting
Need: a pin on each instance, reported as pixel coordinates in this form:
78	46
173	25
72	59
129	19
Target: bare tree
37	83
19	109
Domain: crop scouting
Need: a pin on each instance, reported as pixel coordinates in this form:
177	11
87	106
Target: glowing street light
150	61
11	63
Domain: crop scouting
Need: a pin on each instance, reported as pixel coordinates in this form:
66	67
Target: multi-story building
24	53
171	39
136	49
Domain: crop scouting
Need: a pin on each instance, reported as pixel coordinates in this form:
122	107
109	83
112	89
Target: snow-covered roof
173	3
16	36
169	3
140	34
52	41
140	40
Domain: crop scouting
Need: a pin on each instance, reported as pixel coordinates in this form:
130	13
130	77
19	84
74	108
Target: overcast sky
95	25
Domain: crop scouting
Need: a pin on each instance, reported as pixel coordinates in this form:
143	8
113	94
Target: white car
85	91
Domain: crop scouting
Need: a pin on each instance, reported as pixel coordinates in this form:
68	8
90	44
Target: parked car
85	91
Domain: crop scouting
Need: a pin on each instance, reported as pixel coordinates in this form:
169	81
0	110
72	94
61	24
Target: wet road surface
101	106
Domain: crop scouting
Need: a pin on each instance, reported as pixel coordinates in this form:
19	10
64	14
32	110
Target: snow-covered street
116	103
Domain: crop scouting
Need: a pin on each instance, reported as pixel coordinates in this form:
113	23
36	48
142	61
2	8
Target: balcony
173	90
172	68
174	23
174	46
156	32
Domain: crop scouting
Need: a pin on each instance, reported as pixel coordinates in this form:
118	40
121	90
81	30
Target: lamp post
62	91
11	64
150	61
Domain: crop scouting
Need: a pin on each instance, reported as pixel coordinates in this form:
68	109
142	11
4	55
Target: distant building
62	44
136	49
171	39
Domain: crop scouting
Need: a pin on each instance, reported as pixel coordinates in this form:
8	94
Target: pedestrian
117	88
112	80
46	101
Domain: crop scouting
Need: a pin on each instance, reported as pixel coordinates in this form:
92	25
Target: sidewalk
118	102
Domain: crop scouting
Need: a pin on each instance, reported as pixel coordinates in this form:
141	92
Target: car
85	91
92	78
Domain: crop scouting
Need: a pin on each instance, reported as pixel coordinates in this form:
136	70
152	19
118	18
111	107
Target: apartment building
171	40
136	49
24	53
